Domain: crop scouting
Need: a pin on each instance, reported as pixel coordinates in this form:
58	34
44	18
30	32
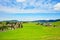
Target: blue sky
29	16
29	9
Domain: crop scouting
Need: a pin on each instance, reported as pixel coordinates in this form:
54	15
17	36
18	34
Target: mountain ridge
34	20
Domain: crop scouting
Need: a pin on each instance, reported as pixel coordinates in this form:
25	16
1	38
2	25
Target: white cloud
15	10
39	7
20	0
26	18
57	7
29	18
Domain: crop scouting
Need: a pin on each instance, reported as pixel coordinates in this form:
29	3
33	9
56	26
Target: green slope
31	31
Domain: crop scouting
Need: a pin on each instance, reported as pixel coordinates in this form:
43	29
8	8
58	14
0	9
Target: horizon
30	17
30	20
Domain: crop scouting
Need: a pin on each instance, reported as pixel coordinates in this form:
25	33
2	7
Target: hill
47	20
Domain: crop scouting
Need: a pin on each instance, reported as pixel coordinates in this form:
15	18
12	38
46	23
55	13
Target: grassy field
31	31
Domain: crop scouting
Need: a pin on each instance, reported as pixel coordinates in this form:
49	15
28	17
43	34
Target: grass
31	31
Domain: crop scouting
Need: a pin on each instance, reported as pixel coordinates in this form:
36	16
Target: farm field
31	31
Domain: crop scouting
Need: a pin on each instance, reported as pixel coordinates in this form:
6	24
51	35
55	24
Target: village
7	25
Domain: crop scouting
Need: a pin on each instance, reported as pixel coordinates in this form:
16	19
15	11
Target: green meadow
31	31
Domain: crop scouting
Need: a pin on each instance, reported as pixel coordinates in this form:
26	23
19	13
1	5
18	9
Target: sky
28	10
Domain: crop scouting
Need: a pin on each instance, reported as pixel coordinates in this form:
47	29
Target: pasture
31	31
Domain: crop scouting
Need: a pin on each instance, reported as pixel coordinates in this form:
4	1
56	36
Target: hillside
31	31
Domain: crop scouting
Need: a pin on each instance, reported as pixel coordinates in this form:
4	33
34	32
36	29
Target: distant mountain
33	21
47	20
10	21
13	21
58	20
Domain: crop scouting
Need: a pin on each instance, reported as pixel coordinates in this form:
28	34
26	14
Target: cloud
31	18
15	10
26	6
20	0
57	7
